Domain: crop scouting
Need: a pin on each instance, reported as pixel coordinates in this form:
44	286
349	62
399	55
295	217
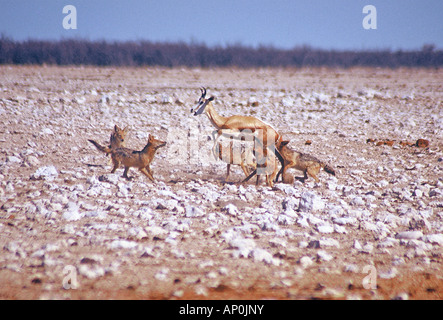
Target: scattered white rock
91	271
13	159
261	255
193	212
287	102
46	131
379	191
123	244
409	235
157	232
48	173
244	246
434	238
231	210
324	256
310	201
71	212
306	261
325	228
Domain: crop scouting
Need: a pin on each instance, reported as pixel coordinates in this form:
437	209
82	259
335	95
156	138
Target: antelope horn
203	90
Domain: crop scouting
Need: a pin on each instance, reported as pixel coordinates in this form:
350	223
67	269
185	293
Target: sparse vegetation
145	53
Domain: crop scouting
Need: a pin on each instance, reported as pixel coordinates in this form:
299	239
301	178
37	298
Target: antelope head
202	103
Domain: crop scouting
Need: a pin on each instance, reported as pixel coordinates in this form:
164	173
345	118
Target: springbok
238	126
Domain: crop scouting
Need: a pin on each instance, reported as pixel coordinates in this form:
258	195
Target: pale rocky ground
71	230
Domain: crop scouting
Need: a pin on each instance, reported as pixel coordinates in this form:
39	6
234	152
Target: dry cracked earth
69	229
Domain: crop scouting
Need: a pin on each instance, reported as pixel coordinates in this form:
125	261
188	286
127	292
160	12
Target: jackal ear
211	98
116	127
283	143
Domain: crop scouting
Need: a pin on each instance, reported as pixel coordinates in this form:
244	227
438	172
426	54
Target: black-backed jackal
137	159
301	161
116	140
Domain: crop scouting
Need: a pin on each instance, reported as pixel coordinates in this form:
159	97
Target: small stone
13	159
315	244
367	248
193	212
47	173
401	296
111	178
46	131
357	201
409	235
72	213
389	274
324	256
32	161
306	261
231	210
123	244
156	232
91	272
325	229
310	201
290	203
357	245
434	239
351	268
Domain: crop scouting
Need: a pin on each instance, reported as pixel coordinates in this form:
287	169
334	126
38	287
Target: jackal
301	161
116	140
137	159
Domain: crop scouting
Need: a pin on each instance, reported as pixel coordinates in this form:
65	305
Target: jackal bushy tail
104	149
329	169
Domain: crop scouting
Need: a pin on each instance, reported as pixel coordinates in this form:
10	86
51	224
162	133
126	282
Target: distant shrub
145	53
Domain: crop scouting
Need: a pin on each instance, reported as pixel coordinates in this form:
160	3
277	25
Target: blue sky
326	24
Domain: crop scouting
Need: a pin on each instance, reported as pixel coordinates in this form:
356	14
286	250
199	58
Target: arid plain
69	229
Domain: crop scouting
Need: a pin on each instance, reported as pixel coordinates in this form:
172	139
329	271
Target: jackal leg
147	173
284	177
228	169
116	165
313	171
283	169
245	169
125	174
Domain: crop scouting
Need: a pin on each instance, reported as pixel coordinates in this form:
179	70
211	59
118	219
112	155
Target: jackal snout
156	143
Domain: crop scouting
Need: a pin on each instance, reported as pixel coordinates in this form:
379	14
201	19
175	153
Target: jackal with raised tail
116	140
137	159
